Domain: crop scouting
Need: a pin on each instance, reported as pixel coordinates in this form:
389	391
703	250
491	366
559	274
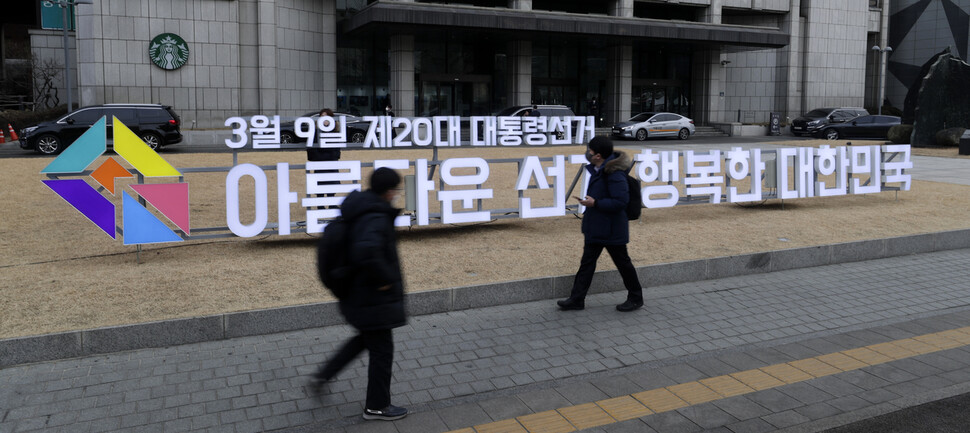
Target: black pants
587	266
380	346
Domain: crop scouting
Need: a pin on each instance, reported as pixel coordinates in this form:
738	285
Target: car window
152	116
670	117
887	119
126	115
87	116
817	113
642	117
508	111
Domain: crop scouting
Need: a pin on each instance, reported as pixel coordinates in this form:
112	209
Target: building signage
461	194
168	51
825	171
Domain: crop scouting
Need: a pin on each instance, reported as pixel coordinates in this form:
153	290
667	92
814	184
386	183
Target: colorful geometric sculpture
86	200
108	172
171	199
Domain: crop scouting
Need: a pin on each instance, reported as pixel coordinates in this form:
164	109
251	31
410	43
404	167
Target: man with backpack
371	288
606	224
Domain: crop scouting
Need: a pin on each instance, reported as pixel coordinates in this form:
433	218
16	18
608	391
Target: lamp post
65	5
881	54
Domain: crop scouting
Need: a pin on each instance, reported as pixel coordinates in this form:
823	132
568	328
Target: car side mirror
69	121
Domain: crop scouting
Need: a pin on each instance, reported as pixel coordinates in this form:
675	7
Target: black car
356	127
157	125
815	120
860	127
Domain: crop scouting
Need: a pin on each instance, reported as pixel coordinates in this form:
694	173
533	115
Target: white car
650	124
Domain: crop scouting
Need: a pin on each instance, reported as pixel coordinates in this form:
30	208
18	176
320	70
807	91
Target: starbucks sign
168	51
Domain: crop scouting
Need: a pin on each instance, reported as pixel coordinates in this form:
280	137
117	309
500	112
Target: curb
24	350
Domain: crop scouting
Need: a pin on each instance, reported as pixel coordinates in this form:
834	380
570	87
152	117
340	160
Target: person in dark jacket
375	304
605	224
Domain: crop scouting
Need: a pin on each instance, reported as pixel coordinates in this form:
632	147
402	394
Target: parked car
536	111
817	119
157	125
872	126
356	127
650	124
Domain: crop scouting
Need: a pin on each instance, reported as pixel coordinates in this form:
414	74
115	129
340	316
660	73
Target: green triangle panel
141	227
80	154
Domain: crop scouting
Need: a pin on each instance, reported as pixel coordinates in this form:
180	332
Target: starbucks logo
168	51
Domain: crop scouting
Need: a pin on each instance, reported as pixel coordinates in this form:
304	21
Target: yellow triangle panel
138	154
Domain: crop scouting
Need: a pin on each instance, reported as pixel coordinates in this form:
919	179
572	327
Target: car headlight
27	130
814	122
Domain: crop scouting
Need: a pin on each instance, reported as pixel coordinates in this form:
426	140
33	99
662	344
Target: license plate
798	128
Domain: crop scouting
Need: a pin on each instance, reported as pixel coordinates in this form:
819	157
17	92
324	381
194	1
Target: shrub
23	119
949	137
900	134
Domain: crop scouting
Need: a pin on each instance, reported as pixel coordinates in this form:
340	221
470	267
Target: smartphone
577	198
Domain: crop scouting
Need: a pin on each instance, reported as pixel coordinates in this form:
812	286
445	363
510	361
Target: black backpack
635	205
333	257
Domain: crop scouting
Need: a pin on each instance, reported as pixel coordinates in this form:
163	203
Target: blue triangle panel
141	227
80	154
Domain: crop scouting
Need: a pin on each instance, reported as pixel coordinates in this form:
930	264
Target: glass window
87	116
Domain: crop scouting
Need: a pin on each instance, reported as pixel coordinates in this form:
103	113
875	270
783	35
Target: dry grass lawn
59	272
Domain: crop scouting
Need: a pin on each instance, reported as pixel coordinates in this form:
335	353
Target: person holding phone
605	224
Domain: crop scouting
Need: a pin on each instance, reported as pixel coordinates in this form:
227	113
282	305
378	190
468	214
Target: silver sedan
650	124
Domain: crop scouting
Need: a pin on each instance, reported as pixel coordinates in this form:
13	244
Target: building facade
717	61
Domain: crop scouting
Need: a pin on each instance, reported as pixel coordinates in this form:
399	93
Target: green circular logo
168	51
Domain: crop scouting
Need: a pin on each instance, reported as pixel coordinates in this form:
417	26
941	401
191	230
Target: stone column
401	62
619	74
248	57
266	49
520	71
707	87
329	75
619	83
788	88
520	63
708	76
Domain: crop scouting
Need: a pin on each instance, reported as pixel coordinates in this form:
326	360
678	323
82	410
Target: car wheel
641	134
356	136
683	134
49	144
152	140
287	138
831	134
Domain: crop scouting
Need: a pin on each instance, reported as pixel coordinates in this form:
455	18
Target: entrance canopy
387	16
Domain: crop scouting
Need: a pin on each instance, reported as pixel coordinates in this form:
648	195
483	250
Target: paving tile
671	422
707	416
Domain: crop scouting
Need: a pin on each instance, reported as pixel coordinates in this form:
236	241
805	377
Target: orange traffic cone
13	134
2	140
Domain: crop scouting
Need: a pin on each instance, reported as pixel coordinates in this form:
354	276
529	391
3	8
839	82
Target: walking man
605	224
375	304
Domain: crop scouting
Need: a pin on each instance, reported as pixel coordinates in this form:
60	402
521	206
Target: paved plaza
800	350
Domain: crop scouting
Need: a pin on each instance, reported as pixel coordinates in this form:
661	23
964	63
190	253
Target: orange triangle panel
108	172
171	199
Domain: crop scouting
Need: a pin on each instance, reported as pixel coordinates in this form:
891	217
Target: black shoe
566	304
316	385
389	413
629	306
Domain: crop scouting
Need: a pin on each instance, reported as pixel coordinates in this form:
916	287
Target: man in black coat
375	304
605	224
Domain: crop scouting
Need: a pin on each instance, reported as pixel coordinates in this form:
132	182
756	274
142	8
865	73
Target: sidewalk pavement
798	350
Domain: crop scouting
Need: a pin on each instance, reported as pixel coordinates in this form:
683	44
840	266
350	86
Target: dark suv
818	118
155	124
